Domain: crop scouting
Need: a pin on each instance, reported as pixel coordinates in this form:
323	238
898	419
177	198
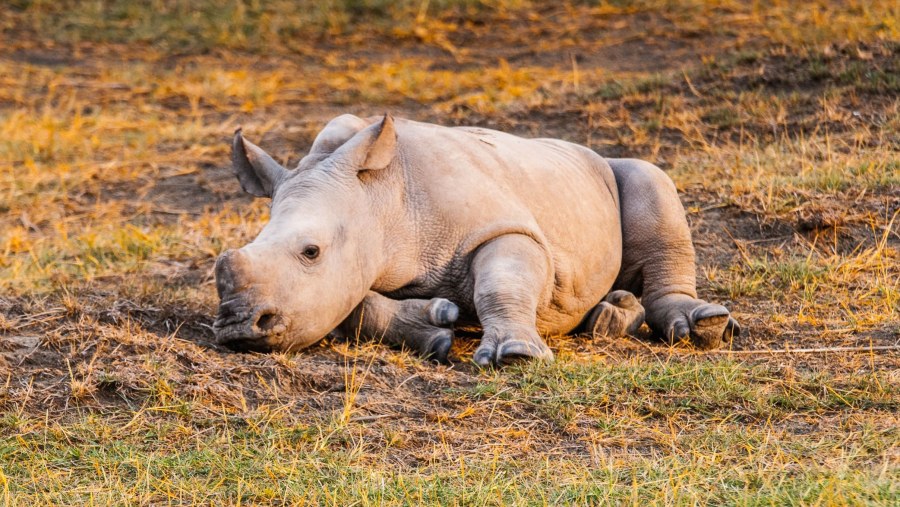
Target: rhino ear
258	173
383	146
336	133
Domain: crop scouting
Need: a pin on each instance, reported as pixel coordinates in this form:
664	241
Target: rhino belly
478	184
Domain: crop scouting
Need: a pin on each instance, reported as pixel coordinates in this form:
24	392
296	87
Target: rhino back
466	186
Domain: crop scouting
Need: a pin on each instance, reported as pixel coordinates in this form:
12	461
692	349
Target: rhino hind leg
510	274
422	325
619	314
658	260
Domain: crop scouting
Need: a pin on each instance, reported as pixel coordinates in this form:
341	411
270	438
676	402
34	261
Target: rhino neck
397	209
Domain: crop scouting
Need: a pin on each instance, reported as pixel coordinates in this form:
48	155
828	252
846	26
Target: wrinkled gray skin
399	230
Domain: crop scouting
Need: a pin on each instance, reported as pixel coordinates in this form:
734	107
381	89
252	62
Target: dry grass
777	120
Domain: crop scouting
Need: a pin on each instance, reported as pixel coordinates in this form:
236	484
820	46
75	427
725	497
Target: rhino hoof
732	329
619	314
483	357
442	312
508	350
439	348
623	299
515	351
709	325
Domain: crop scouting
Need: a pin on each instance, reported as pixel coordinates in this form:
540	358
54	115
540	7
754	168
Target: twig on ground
806	351
370	418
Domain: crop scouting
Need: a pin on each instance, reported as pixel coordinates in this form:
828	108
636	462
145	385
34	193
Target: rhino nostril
264	320
268	321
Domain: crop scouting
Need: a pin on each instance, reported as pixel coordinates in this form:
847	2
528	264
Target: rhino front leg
509	274
423	325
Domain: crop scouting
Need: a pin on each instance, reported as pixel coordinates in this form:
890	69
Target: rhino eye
311	252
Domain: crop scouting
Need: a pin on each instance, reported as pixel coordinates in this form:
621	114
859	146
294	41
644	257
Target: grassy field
779	122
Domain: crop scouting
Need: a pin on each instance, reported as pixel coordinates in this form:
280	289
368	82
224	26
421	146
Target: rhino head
321	250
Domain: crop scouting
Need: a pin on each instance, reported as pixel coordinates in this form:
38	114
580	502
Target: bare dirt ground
781	132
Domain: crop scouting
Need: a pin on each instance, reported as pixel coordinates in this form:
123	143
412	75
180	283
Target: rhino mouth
244	328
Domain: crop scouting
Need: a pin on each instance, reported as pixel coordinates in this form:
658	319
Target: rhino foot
426	326
435	346
706	326
442	312
619	314
507	347
423	325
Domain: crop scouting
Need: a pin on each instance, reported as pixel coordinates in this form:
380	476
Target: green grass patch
634	422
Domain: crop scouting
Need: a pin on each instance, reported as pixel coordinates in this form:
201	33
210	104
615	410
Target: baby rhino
398	230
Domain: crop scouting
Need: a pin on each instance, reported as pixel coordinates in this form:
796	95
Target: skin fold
399	230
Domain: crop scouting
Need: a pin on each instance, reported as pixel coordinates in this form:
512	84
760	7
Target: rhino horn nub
383	147
255	169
